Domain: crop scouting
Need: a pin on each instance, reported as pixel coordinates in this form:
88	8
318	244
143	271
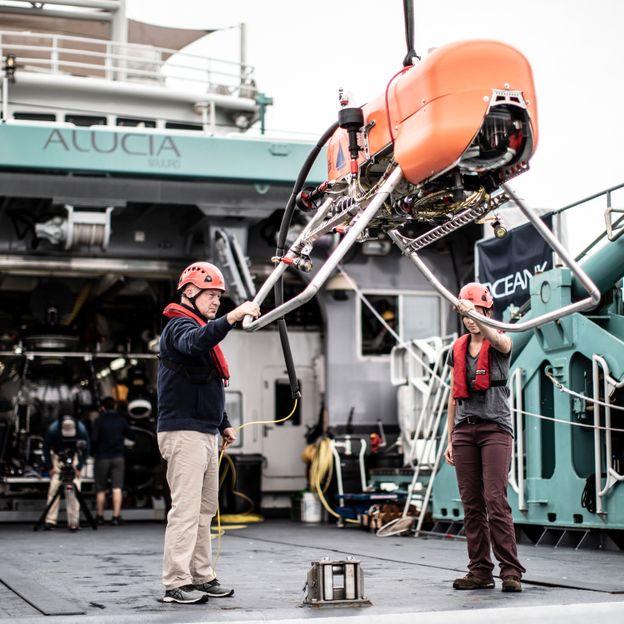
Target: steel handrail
516	473
512	469
522	506
612	475
438	409
107	5
107	68
108	42
160	76
422	426
440	399
426	426
434	472
607	192
589	198
596	363
124	53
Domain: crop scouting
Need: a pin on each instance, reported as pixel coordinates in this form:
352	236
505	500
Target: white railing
128	62
608	384
603	446
435	400
425	445
516	473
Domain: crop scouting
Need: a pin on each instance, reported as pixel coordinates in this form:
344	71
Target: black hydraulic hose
295	390
278	290
299	182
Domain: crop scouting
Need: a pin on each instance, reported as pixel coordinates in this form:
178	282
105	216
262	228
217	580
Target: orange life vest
174	310
482	376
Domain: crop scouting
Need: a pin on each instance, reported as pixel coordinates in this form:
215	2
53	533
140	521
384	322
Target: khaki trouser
71	502
193	478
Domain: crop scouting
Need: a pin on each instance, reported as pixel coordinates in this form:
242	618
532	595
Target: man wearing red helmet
480	442
191	414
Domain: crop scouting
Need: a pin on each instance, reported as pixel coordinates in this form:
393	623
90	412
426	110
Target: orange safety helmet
478	294
203	275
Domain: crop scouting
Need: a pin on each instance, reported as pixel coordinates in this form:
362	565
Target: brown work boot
512	584
472	582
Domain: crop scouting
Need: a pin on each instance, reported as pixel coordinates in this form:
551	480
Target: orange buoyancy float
433	113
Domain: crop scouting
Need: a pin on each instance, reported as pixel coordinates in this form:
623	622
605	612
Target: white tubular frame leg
330	264
547	235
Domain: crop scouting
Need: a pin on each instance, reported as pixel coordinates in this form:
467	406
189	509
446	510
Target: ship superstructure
121	160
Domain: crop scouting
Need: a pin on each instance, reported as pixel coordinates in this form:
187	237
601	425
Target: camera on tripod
66	461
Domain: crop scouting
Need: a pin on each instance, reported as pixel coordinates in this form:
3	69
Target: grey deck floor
113	576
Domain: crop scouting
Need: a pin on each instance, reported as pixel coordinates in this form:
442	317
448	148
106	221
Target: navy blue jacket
108	433
183	405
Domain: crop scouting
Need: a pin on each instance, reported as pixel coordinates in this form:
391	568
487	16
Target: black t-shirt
107	438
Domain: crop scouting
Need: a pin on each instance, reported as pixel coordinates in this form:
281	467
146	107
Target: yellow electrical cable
321	469
270	422
247	515
235	521
236	492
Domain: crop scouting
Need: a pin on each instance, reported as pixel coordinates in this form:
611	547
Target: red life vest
174	310
482	377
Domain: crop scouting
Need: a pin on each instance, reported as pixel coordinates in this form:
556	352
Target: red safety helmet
203	275
478	294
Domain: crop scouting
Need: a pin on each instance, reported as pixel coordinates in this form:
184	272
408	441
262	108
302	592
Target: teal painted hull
163	154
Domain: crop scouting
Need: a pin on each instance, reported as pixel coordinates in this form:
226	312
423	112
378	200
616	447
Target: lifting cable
562	388
566	422
408	61
400	342
408	16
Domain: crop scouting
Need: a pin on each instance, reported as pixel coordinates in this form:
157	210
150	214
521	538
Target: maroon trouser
482	453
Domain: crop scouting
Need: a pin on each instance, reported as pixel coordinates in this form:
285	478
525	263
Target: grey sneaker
187	594
214	589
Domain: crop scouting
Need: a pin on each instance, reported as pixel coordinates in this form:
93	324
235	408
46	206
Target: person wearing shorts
110	430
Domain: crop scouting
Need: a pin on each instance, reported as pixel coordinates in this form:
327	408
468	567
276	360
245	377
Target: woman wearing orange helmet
191	413
480	442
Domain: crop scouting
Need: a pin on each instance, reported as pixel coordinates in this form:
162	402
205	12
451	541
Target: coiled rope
321	473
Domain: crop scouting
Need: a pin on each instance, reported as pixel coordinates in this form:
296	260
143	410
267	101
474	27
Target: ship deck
113	575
